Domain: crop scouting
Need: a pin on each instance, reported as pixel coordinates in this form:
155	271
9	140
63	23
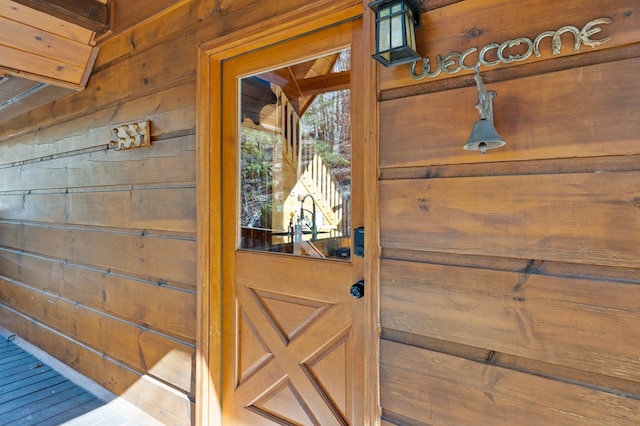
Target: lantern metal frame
396	18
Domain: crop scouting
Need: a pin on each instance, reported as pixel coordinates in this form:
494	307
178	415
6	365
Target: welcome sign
518	49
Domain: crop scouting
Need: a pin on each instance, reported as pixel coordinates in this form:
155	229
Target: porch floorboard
34	393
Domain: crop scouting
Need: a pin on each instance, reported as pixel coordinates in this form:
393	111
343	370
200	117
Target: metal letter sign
454	62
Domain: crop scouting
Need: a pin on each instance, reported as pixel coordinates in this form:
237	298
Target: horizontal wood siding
146	392
465	24
510	282
98	247
545	116
525	313
451	390
552	217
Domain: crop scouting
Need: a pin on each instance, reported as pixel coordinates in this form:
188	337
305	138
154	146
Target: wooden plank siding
147	393
97	253
118	295
509	283
98	247
527	313
552	217
451	390
44	47
465	24
550	115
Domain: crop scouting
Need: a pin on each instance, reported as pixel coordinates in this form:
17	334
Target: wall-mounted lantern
483	134
396	22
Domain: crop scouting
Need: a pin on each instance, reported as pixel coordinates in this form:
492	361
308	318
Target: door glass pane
295	161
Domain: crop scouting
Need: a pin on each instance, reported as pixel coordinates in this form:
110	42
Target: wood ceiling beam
90	14
325	83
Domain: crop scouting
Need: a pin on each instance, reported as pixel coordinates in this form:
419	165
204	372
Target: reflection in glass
295	180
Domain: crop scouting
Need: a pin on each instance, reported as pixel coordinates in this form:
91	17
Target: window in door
295	183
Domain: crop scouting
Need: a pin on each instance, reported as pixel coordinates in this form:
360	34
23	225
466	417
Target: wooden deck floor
33	393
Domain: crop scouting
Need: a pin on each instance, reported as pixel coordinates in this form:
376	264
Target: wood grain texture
424	387
128	15
90	14
39	42
27	15
161	67
490	77
169	208
22	102
525	258
467	24
48	70
44	47
576	218
144	351
558	320
172	312
113	237
167	405
170	111
298	307
154	257
564	189
33	391
581	112
166	162
156	61
139	29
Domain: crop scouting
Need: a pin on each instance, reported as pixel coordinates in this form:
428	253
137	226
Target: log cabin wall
510	282
98	246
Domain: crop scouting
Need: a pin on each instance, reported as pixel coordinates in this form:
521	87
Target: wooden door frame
317	15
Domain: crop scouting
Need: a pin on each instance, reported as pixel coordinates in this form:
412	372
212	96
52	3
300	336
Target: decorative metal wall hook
483	134
132	135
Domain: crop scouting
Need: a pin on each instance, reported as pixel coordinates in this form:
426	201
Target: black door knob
357	290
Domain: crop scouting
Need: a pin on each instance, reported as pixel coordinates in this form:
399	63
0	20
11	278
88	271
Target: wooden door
292	332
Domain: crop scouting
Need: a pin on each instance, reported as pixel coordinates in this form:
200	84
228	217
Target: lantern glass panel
410	30
384	30
397	27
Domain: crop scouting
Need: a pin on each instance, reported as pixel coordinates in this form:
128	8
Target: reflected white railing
290	126
330	202
316	178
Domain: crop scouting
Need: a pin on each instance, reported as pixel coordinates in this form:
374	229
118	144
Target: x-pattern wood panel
293	361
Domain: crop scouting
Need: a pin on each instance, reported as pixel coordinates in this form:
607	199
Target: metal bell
483	137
